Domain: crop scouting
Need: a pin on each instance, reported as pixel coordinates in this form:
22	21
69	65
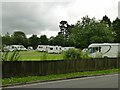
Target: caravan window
51	48
56	48
40	47
13	47
94	49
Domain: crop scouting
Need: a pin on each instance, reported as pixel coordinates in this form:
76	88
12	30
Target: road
105	81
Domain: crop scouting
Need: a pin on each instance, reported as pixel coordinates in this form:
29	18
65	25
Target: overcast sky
43	17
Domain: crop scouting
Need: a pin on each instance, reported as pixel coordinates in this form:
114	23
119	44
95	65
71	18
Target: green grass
13	80
37	56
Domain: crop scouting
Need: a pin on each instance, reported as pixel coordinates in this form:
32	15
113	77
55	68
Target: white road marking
41	83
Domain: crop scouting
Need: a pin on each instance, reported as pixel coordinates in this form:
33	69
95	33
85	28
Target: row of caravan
94	49
40	48
52	49
14	47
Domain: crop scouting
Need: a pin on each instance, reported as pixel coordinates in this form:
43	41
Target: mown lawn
36	56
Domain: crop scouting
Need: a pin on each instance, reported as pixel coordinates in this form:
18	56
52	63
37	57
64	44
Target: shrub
13	57
85	55
72	54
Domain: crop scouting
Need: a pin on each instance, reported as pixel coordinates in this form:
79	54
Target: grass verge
12	81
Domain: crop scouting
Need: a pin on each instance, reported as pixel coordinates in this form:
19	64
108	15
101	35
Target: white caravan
14	47
54	49
42	48
30	48
110	50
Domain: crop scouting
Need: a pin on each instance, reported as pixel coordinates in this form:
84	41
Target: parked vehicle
14	47
42	48
54	49
109	50
30	48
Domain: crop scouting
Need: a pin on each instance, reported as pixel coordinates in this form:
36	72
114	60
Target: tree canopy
80	35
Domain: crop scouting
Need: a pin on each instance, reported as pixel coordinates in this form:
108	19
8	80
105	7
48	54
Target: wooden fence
40	68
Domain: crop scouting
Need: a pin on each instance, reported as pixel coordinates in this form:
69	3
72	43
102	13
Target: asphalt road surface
105	81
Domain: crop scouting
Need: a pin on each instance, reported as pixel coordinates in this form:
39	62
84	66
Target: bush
15	55
72	54
85	55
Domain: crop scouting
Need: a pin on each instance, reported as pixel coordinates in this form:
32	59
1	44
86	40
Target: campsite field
36	56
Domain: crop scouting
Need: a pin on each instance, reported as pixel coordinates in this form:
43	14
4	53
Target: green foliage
19	37
43	40
14	57
106	20
34	41
85	55
72	54
6	39
116	29
5	56
90	31
80	35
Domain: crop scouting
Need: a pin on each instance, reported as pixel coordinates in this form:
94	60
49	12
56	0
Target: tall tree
90	31
34	41
19	37
59	39
52	40
6	40
64	28
64	34
106	20
116	29
43	40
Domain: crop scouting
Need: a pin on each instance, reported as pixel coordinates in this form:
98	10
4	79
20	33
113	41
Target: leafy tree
64	28
43	40
90	31
59	39
64	34
52	40
116	29
19	38
106	20
6	40
34	41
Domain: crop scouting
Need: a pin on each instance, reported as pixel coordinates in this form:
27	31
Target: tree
90	31
116	29
106	20
43	40
51	40
19	38
6	40
59	39
34	41
64	34
65	29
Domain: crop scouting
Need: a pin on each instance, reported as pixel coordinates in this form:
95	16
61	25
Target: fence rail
40	68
